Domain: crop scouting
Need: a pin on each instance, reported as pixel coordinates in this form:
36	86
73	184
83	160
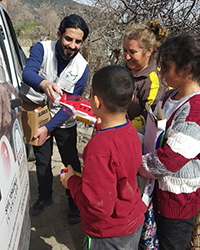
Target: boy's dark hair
184	51
114	85
74	21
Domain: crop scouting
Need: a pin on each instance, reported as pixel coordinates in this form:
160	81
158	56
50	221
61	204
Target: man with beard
56	67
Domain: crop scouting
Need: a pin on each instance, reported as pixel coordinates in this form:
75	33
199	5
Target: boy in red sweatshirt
107	195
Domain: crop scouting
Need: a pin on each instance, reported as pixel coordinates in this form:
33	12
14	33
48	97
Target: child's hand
65	176
41	134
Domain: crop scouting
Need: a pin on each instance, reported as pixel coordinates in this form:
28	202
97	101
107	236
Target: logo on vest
73	77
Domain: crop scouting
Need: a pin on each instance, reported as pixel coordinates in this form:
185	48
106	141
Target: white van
15	223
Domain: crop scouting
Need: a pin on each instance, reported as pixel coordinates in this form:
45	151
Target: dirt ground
50	229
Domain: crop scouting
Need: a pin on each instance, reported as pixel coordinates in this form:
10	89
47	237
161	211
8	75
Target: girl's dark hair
114	85
74	21
184	51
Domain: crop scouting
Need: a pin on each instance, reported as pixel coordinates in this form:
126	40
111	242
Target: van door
15	225
14	179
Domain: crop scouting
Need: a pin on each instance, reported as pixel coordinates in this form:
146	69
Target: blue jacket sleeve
30	73
58	119
61	115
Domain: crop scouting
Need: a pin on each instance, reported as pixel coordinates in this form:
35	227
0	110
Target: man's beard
67	57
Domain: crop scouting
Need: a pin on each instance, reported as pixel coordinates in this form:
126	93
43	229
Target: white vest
67	79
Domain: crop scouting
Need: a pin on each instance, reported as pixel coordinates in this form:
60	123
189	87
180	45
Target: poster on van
14	188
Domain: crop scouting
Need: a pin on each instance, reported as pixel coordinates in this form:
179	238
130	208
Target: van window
4	77
16	57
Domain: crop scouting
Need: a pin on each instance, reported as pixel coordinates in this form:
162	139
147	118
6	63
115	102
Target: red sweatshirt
107	195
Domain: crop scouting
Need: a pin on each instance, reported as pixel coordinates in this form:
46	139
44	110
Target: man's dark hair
74	21
114	85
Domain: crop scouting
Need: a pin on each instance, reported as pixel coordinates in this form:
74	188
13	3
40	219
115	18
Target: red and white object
78	107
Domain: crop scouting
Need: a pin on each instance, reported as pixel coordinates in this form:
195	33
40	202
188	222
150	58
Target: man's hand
65	176
49	89
41	135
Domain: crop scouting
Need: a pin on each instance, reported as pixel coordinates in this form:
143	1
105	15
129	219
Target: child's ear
185	71
97	101
188	70
132	97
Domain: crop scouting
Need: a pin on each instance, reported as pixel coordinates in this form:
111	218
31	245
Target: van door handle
14	103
